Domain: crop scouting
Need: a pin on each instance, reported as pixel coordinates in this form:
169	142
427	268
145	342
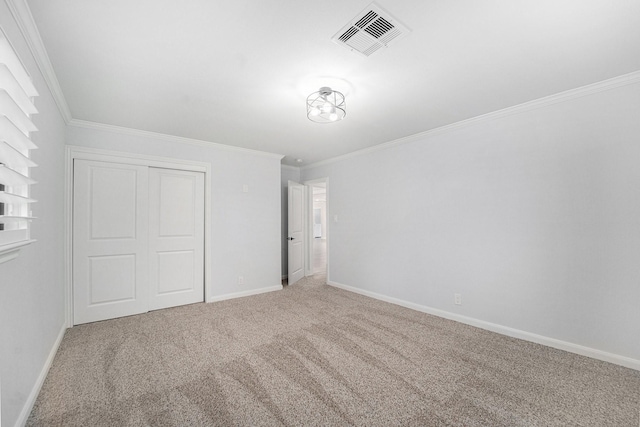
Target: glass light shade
326	106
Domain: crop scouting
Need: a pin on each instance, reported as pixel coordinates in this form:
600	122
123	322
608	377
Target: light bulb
333	117
326	108
315	111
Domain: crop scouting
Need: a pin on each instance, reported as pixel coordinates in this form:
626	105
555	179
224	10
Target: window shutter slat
14	220
10	134
6	197
9	177
10	85
11	111
10	218
13	158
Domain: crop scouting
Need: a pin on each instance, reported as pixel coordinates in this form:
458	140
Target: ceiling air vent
370	30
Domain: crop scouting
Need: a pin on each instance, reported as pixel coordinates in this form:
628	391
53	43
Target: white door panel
296	231
110	256
176	272
112	278
113	195
176	200
176	237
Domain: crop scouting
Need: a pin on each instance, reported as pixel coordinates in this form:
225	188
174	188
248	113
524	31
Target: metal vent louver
370	30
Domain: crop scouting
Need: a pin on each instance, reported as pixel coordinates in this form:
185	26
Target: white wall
31	286
245	227
293	174
534	217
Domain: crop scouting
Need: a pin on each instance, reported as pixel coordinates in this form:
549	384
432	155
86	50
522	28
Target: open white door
296	234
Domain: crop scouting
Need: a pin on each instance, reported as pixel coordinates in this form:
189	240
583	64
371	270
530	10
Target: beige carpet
315	355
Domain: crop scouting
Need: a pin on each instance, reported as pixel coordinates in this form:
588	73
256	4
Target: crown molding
291	168
23	17
164	137
615	82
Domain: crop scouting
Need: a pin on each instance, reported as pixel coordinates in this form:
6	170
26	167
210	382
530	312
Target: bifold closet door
176	237
110	240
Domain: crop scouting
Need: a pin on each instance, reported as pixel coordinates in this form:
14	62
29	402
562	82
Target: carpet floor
316	355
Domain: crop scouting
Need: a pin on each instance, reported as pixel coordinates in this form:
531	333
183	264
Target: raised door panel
112	278
176	203
113	195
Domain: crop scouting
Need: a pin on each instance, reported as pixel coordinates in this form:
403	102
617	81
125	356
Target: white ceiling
238	72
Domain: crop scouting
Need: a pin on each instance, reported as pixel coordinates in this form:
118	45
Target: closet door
110	235
176	237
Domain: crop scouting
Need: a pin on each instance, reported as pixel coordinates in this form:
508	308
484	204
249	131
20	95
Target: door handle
290	238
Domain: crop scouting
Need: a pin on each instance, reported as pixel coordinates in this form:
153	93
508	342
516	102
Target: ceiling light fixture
326	106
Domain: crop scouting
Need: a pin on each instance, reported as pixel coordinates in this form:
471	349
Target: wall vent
370	30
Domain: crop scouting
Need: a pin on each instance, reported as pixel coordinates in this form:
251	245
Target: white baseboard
504	330
31	400
245	293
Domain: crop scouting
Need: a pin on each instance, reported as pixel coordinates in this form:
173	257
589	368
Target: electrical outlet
240	280
457	299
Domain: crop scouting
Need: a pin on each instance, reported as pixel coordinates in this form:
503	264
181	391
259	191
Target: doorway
318	234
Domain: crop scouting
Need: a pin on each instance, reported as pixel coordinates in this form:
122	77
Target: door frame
308	256
73	152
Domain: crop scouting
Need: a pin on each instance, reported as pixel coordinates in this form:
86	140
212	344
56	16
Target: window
16	108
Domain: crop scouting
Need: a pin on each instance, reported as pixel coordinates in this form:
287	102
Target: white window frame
17	94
